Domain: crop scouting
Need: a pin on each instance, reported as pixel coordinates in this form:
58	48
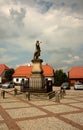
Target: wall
0	79
19	79
50	78
72	81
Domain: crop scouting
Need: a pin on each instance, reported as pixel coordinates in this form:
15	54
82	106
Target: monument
36	81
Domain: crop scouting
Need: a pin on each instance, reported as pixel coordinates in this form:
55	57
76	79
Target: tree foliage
60	77
8	74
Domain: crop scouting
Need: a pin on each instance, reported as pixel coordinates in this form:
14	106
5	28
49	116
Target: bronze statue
37	51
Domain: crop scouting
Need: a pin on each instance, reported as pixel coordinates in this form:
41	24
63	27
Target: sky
57	24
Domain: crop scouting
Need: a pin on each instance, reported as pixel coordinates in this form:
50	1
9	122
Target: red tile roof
3	67
47	70
76	72
25	71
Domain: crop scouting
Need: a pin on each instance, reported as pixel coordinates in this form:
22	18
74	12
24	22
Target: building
24	73
3	69
75	74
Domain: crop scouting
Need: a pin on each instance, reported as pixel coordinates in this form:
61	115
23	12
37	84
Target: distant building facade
24	73
3	69
75	74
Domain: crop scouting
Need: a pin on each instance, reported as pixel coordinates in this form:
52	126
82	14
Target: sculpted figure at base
37	51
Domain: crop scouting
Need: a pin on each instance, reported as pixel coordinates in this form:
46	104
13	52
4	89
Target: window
17	80
23	80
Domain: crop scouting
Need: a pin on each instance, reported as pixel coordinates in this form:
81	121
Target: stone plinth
37	66
37	79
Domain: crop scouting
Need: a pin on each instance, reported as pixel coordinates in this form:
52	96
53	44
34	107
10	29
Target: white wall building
24	73
3	68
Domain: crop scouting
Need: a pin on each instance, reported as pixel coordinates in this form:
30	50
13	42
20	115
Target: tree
8	74
60	77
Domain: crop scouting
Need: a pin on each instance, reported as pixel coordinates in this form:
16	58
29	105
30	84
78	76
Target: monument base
37	66
36	81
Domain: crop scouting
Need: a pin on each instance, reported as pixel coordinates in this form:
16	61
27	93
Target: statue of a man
37	51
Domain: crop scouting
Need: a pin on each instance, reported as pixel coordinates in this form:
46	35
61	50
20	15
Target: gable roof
3	67
48	70
25	71
76	72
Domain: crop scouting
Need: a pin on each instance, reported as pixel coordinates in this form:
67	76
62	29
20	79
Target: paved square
78	104
3	126
68	100
14	105
77	117
60	108
50	123
25	112
43	102
79	99
17	113
1	117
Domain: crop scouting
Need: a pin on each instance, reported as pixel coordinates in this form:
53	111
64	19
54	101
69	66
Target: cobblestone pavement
17	113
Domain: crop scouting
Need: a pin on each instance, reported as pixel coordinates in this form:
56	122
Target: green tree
8	74
60	77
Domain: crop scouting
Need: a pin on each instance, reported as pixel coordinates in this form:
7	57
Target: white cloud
21	24
2	50
7	58
69	55
72	60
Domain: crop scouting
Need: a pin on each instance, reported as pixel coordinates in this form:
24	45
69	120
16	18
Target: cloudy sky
58	24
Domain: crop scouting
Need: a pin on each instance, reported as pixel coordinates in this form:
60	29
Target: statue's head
37	43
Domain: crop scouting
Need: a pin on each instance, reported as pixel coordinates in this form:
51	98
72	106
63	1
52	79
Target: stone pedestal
37	66
36	81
